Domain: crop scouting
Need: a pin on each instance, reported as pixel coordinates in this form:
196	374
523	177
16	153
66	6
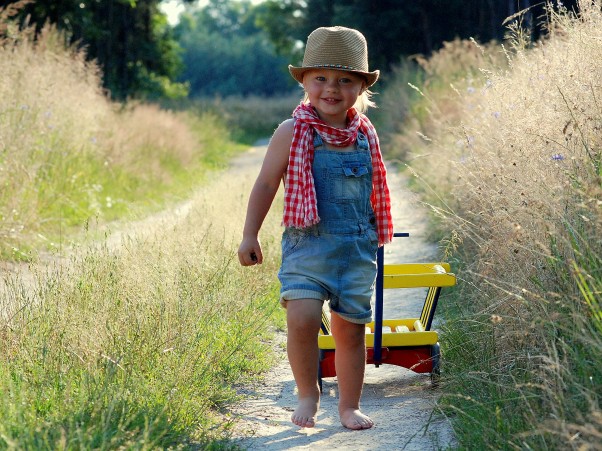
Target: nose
332	84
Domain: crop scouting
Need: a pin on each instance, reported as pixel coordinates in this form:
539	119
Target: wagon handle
378	314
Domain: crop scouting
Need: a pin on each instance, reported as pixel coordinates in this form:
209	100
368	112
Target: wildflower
470	90
497	114
557	157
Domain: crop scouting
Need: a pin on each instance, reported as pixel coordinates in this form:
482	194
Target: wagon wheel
436	360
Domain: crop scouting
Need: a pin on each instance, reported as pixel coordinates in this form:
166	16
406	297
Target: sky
173	8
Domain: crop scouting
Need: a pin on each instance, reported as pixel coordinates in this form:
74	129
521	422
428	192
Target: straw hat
337	48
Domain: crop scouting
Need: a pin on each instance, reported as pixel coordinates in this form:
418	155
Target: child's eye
345	80
320	78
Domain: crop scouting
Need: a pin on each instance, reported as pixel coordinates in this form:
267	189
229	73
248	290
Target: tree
226	53
130	39
395	29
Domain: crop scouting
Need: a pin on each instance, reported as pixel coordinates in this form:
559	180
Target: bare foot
305	413
354	419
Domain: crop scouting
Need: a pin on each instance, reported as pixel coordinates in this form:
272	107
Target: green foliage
131	41
395	30
226	54
280	21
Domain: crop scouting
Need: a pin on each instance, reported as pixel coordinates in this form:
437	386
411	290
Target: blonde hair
363	102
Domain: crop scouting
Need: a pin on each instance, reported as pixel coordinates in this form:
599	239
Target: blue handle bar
378	314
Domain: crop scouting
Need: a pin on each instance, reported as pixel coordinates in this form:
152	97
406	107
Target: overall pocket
350	182
292	239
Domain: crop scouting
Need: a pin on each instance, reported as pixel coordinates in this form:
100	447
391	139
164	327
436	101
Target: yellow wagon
406	342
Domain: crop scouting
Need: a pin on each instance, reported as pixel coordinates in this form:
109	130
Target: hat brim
297	73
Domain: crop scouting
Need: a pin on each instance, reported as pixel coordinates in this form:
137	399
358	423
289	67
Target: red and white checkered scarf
300	206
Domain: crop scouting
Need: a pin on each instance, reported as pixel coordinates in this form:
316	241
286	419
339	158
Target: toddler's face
332	92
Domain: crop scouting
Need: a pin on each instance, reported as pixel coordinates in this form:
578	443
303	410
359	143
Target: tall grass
509	157
67	154
139	347
250	118
134	343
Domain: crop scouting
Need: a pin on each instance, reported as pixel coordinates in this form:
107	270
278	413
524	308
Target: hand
249	252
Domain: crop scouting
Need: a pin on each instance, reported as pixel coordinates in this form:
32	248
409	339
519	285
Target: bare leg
350	362
303	319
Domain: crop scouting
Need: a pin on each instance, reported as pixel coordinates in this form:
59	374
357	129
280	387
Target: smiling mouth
330	100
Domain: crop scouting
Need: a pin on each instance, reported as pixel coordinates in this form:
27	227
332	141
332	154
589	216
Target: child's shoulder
284	133
286	127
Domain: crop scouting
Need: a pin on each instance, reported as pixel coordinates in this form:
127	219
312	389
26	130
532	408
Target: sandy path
399	401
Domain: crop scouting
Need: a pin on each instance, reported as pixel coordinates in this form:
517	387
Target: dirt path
399	401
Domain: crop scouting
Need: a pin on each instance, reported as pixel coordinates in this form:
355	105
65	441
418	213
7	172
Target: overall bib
335	259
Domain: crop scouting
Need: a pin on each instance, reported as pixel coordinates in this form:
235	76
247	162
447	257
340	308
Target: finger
245	259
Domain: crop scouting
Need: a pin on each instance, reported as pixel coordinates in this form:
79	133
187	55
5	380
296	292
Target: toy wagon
406	342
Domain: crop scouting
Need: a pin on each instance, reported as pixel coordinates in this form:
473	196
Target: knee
304	317
303	324
350	336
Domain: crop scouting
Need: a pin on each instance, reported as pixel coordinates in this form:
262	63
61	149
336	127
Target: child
336	214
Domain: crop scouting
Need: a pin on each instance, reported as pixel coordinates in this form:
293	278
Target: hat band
335	66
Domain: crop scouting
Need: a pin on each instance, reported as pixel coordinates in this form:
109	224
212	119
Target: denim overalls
336	258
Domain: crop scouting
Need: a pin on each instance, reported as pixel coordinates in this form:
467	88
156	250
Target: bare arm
263	192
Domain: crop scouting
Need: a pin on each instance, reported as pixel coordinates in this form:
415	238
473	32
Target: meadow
504	141
69	154
112	337
142	344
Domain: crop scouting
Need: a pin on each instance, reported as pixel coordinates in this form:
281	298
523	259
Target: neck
336	122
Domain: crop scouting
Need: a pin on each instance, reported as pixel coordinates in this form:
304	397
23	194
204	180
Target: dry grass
67	154
526	149
162	134
138	343
251	118
135	342
509	156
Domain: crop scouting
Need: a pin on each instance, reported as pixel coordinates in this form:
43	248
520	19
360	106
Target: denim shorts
339	267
